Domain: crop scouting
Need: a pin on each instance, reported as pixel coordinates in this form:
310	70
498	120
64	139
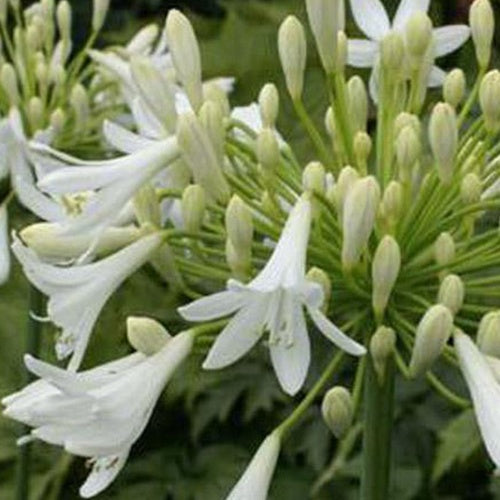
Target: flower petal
406	9
334	334
214	306
371	17
447	39
122	139
436	77
361	53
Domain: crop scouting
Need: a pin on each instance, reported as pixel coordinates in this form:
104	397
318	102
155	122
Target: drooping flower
77	294
255	481
98	413
372	19
484	389
274	301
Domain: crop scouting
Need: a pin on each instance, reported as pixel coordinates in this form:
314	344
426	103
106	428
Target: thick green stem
378	419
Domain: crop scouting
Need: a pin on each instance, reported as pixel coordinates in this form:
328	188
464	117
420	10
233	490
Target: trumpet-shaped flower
373	21
77	294
255	481
274	301
98	413
485	392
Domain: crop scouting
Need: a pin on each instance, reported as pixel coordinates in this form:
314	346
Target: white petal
226	83
213	306
249	115
239	336
104	472
122	139
371	17
447	39
42	206
484	390
436	77
334	334
254	484
4	245
406	9
361	53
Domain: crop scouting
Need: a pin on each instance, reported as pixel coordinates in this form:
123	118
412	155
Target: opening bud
471	189
146	335
317	275
99	13
452	293
193	205
418	35
433	332
489	97
358	103
314	178
239	224
382	348
488	335
444	249
292	48
482	23
337	409
454	87
269	103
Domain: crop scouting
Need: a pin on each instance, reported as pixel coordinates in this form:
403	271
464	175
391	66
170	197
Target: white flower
372	19
273	301
485	392
254	484
4	245
77	294
99	413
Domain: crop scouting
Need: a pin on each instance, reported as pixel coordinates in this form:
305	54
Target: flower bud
418	35
314	178
79	100
489	98
392	50
362	148
358	103
292	47
408	150
393	201
214	92
212	119
471	189
454	87
452	293
269	103
337	409
385	270
443	136
185	54
99	13
193	205
239	224
64	19
8	79
239	261
341	51
268	150
404	120
58	120
36	113
42	73
33	38
444	249
488	335
382	347
482	23
200	155
360	211
318	276
146	335
330	122
347	178
326	18
433	332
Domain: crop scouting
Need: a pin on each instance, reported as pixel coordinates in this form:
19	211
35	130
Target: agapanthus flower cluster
378	243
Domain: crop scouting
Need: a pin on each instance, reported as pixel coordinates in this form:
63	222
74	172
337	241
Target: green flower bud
212	119
360	211
488	335
99	13
8	79
408	150
146	335
444	249
341	51
185	54
330	122
382	348
393	201
146	206
268	150
454	87
452	293
33	38
64	19
362	147
239	261
193	205
418	35
358	103
42	73
269	102
239	224
337	409
443	136
36	113
292	48
317	275
326	18
385	270
314	178
79	100
482	23
433	332
471	189
392	50
489	98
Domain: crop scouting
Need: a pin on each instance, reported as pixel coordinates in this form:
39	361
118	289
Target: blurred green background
207	425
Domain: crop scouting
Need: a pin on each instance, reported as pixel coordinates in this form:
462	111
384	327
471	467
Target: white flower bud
452	293
489	98
382	348
64	19
471	189
99	14
326	18
337	409
58	120
362	147
292	48
341	51
404	120
33	38
269	102
268	150
42	73
408	150
36	113
488	335
444	249
80	103
213	120
318	276
360	211
8	79
185	55
385	271
433	332
330	122
418	35
314	178
239	224
443	136
347	178
392	51
193	206
393	201
454	87
358	103
482	23
239	261
146	335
